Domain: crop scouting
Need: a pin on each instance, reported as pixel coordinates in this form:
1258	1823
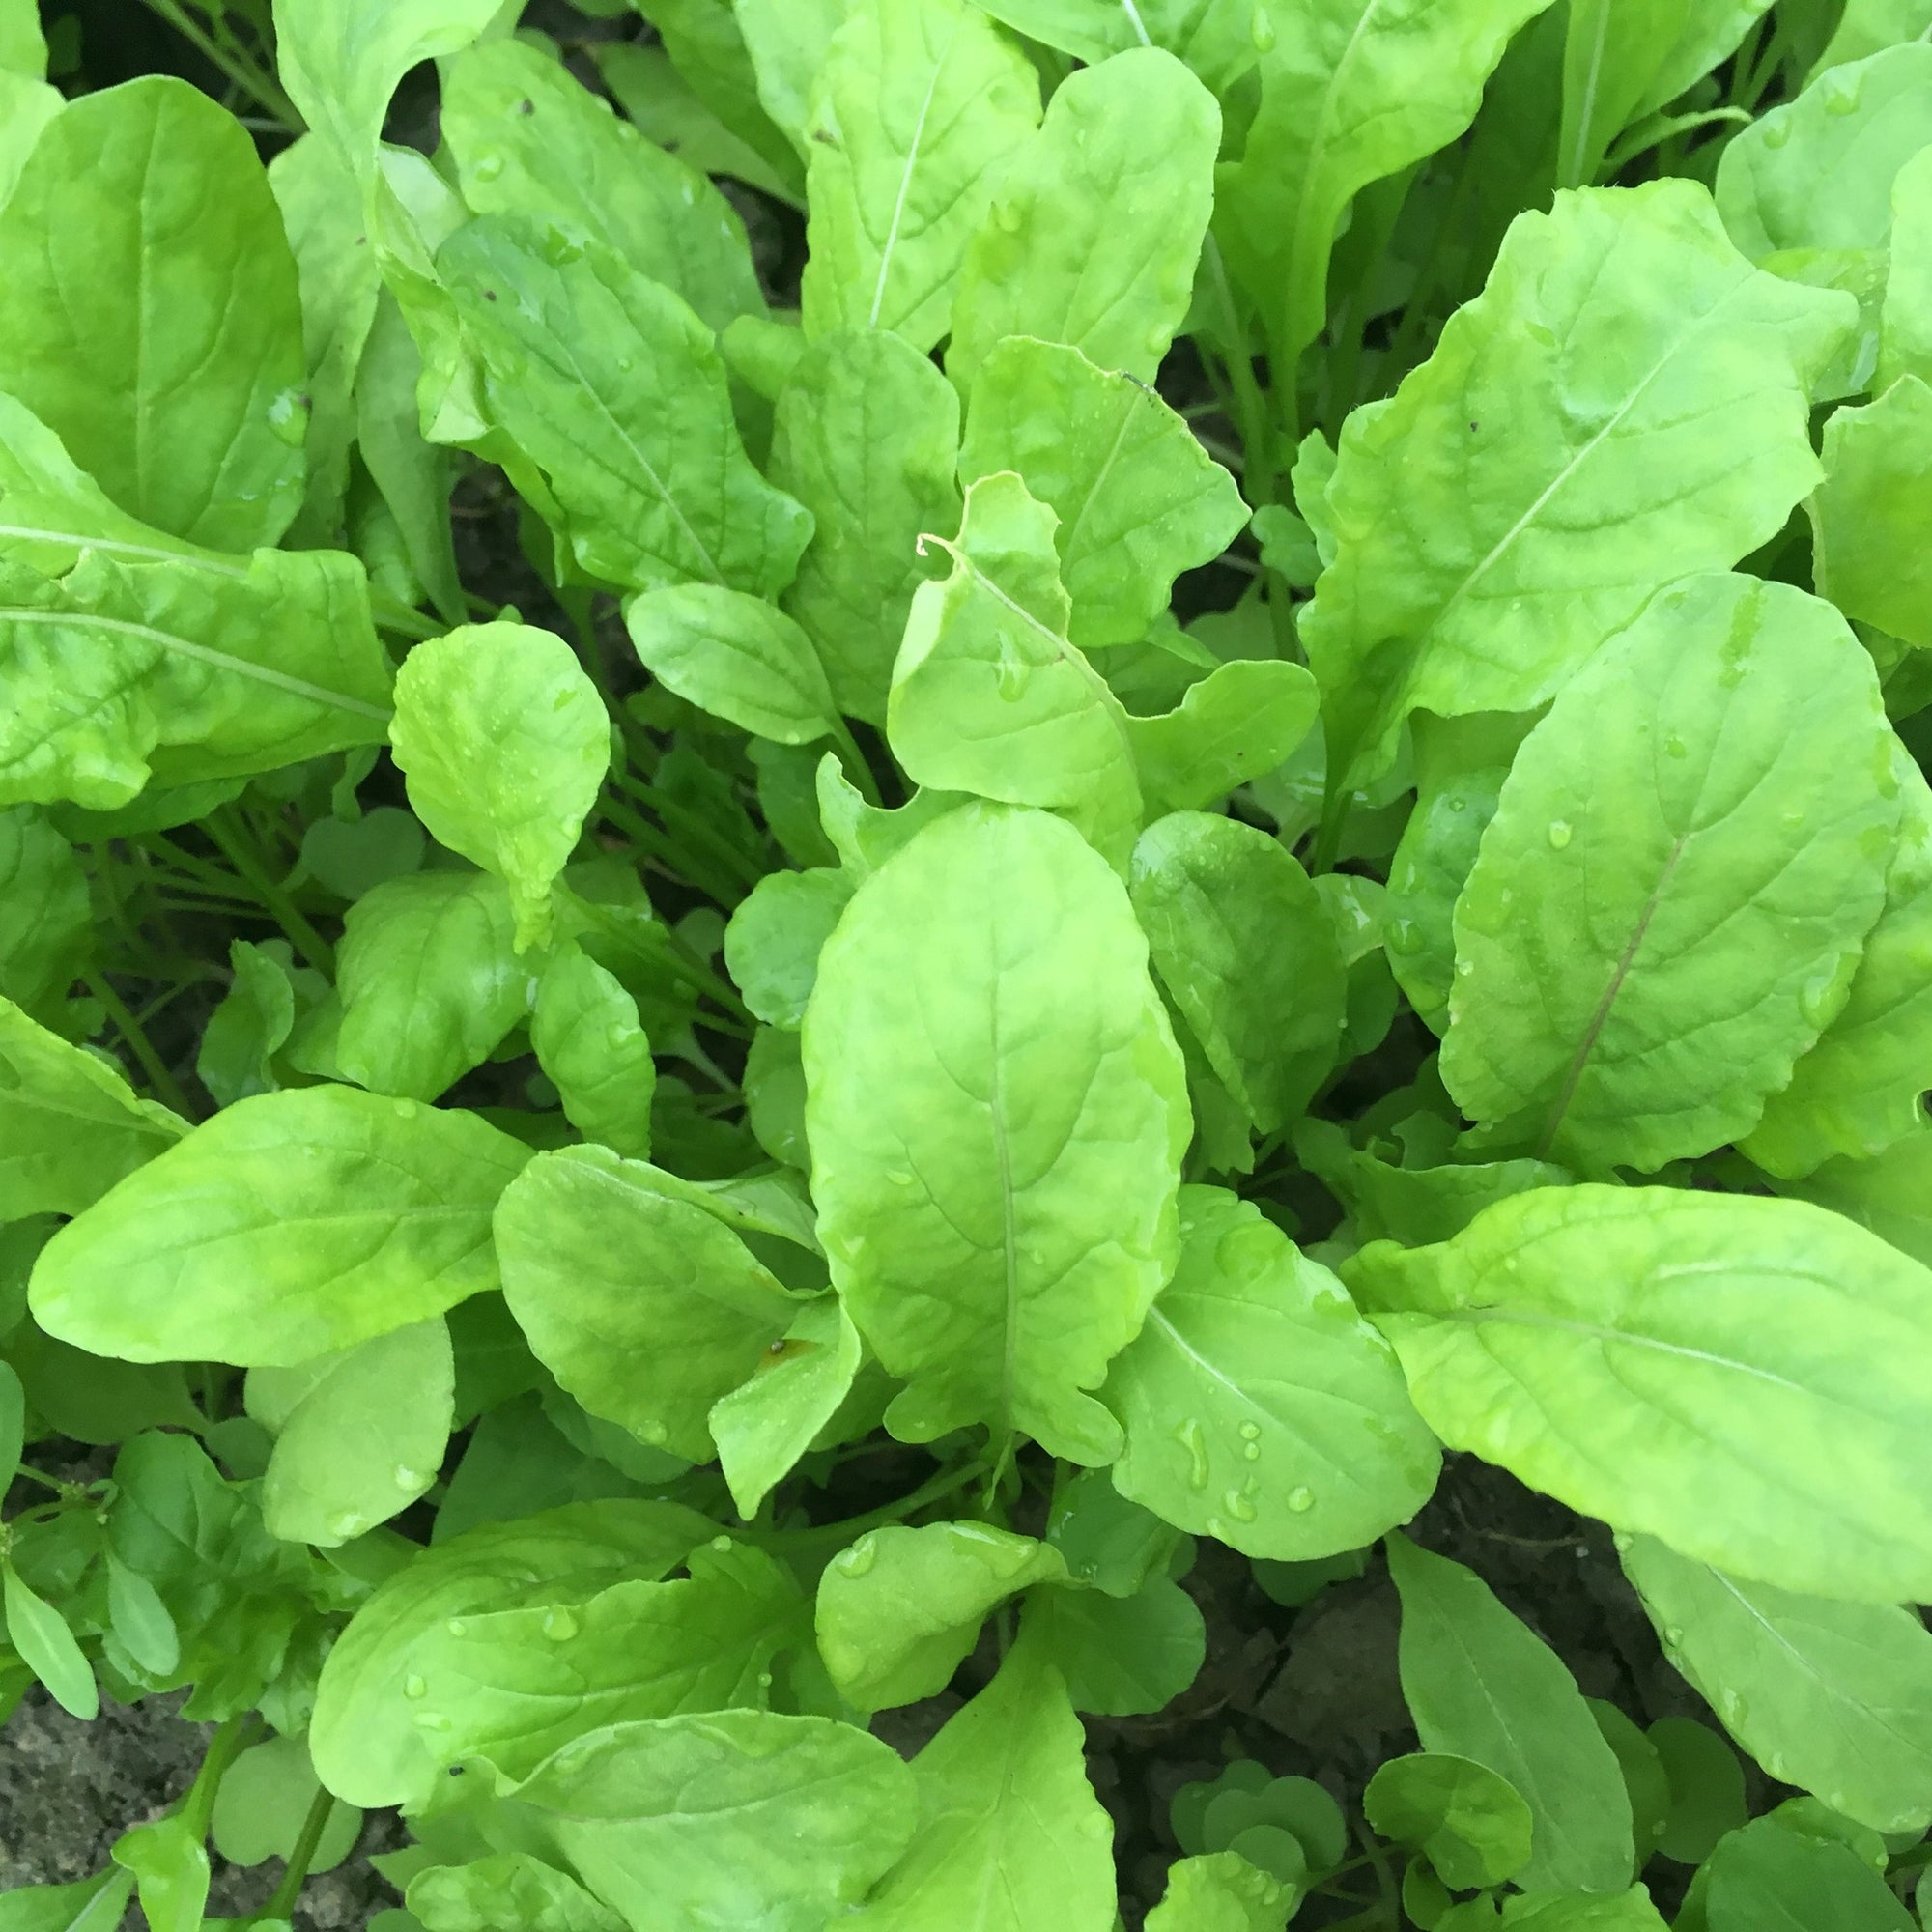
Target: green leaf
1817	172
1010	1833
530	139
1259	1407
365	1740
1767	1879
1221	1892
591	1044
1356	92
1480	1685
171	1872
1867	25
1470	1823
340	60
1670	901
1137	497
1121	1657
734	656
507	1889
787	42
94	1905
364	1441
250	1025
1626	59
1245	718
264	1798
13	1422
1834	1697
516	1685
1460	764
1891	1193
1857	1091
430	982
1652	1358
707	45
763	1425
745	1818
662	102
614	388
1246	949
1109	1543
71	1126
645	1308
141	1622
186	669
237	1246
180	395
1474	570
47	1646
900	1610
504	743
997	1119
989	696
1870	520
1095	228
867	437
1905	334
917	111
1628	1912
775	937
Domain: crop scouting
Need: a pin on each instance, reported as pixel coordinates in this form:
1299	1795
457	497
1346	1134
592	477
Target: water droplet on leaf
1301	1499
1559	834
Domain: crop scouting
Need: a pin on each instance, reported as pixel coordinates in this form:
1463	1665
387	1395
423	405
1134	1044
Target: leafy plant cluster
805	885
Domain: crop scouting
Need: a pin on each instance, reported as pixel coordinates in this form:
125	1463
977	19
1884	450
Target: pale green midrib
117	546
295	687
1008	1230
1134	20
889	247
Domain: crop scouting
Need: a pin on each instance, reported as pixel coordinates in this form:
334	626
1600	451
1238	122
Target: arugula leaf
1221	1891
1244	719
181	395
1257	1407
916	111
1474	570
591	1042
504	743
1126	149
1770	1879
1470	1822
1869	514
775	937
45	1644
235	1244
764	1424
1138	499
506	1887
1121	1657
1480	1685
1828	1695
1692	832
787	42
707	45
1649	1356
1220	40
996	1150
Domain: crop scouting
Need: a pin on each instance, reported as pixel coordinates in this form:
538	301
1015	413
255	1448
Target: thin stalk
139	1045
243	72
855	761
1250	406
289	916
282	1900
949	1481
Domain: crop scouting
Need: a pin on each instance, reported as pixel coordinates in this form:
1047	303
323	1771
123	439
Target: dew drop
1817	1002
1251	1431
1676	747
407	1110
1673	1634
1842	98
1301	1499
409	1479
1098	1825
1559	834
346	1525
1262	33
490	168
560	1625
617	1035
456	1627
1623	1540
860	1558
654	1434
1459	804
1404	936
1010	217
1191	1439
1775	134
434	1720
414	1686
1240	1505
1252	1451
1010	677
900	1176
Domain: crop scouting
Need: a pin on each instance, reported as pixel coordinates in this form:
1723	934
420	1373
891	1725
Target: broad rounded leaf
1473	1823
764	1424
735	656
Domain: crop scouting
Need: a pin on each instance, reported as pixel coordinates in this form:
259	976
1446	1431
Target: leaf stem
130	1029
234	846
243	72
282	1901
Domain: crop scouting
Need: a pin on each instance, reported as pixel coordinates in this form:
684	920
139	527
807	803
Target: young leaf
505	1889
1670	901
1859	1089
592	1046
990	697
1357	92
237	1247
900	1610
917	108
183	671
1480	1685
1007	1823
141	1622
1869	520
1259	1407
1652	1358
744	1818
1095	228
1138	499
1835	1697
1905	315
365	1442
365	1740
787	42
736	657
1766	1878
1221	1891
47	1646
1245	718
430	985
775	935
614	389
530	139
504	743
263	1801
171	1871
763	1425
1475	569
867	437
71	1126
1471	1822
96	1904
1890	1193
513	1685
707	45
1248	954
645	1308
997	1114
1121	1657
179	388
